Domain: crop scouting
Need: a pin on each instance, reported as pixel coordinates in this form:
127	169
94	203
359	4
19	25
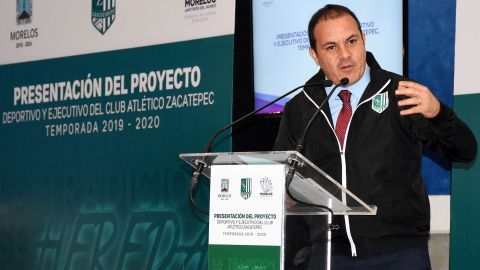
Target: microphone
201	163
301	141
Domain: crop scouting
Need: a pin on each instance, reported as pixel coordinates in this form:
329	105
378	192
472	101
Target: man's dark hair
328	12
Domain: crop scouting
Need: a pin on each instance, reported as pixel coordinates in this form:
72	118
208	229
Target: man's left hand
419	99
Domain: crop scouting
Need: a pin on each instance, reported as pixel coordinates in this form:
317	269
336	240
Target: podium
249	206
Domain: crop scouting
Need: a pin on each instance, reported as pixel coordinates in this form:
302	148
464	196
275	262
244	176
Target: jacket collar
378	78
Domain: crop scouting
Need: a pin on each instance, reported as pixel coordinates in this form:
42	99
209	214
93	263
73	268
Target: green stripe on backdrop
465	217
233	257
115	198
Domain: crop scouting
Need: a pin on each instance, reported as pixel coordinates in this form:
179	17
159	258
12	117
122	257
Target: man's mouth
347	67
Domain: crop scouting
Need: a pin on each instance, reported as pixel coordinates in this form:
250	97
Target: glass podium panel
310	184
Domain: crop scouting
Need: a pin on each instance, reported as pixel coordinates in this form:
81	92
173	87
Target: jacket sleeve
445	134
285	139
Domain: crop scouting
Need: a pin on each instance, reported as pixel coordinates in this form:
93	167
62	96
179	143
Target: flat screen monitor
280	42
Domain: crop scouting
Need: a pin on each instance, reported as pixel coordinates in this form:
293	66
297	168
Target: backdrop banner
97	100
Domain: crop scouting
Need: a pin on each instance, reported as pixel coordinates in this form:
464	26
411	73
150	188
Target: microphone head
344	81
327	83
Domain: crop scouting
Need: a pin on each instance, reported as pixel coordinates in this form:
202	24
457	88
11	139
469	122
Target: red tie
344	116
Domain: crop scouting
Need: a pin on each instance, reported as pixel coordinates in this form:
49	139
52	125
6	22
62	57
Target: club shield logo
103	14
246	188
380	102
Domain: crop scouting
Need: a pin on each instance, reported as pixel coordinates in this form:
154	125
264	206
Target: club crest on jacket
380	102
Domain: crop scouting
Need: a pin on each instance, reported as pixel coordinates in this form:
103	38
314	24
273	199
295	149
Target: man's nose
344	52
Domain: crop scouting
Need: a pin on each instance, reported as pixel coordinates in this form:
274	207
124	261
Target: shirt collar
357	88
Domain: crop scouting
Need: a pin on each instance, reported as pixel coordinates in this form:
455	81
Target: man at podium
370	137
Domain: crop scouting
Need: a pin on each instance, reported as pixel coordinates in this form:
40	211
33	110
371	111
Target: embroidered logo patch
380	102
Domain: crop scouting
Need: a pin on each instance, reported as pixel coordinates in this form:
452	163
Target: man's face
340	49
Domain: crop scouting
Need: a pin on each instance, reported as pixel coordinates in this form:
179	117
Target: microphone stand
300	145
201	163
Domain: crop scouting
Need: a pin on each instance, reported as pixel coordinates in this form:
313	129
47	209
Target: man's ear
313	54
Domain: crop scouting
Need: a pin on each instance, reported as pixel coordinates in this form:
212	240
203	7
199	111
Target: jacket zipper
343	160
344	180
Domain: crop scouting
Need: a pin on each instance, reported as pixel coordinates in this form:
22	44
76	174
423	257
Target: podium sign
246	216
248	208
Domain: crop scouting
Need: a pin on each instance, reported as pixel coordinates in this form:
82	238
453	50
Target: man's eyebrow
353	36
327	43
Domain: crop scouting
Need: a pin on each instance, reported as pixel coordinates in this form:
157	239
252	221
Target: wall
465	185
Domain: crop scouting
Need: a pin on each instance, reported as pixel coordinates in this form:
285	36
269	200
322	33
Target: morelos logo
198	5
192	3
224	186
103	14
380	102
267	187
224	194
24	11
24	17
246	188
